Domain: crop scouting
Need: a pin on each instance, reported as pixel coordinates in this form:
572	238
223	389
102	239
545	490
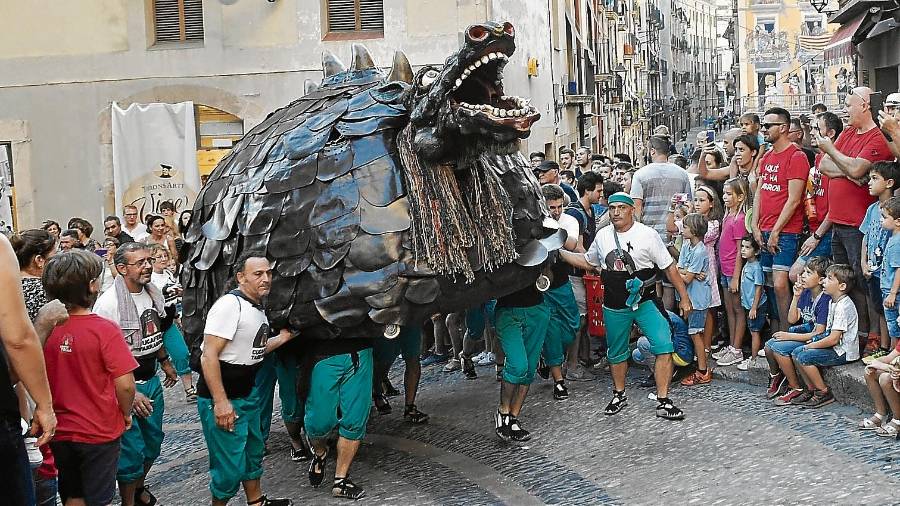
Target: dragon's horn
330	64
401	70
362	60
309	86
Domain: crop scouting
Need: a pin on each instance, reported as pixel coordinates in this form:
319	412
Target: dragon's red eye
478	33
509	30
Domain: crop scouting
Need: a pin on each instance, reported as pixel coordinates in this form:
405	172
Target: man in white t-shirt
137	306
630	254
235	341
560	298
133	225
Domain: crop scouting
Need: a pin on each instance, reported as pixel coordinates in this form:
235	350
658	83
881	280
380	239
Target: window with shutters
353	19
177	21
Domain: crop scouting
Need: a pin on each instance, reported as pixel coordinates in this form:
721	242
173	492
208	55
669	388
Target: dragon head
460	110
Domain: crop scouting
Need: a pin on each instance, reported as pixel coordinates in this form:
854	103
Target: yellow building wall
55	28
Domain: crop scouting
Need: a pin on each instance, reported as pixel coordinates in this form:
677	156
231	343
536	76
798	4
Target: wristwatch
817	236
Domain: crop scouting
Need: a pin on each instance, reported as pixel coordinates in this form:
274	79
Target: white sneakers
729	356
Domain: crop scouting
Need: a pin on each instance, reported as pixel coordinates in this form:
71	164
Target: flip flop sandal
317	469
871	423
346	489
413	415
137	497
618	402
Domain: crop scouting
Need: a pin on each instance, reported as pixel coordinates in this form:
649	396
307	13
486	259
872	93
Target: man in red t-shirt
846	161
89	367
818	244
777	214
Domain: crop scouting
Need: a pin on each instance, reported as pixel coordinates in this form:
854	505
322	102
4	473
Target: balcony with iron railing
800	103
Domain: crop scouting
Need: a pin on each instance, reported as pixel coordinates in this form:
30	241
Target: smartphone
101	252
682	198
710	136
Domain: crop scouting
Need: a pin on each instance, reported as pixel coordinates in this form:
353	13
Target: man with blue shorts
630	254
777	213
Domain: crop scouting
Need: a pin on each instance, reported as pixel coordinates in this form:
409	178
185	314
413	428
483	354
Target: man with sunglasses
138	307
777	213
846	161
890	121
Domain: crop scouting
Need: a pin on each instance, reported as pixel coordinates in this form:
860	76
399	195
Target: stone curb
846	381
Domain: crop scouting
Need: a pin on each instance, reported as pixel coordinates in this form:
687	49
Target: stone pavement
734	447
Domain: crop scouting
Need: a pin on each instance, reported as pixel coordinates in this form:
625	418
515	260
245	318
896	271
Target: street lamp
621	71
819	5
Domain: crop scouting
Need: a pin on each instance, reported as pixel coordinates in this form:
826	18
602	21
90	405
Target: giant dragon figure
381	199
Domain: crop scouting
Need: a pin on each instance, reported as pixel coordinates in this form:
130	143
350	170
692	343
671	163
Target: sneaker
618	402
501	425
787	398
602	364
761	353
516	432
667	409
468	366
300	454
346	489
731	356
649	382
818	400
452	365
488	359
871	357
776	386
721	352
746	364
802	397
697	378
478	357
436	358
543	369
579	373
560	392
262	501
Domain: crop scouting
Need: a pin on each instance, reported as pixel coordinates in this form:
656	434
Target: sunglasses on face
770	125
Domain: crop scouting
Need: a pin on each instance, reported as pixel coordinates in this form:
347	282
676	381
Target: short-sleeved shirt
243	325
891	261
35	297
751	277
149	339
84	356
587	225
733	230
138	233
776	170
566	187
655	184
842	316
695	259
813	309
642	250
854	198
876	237
817	183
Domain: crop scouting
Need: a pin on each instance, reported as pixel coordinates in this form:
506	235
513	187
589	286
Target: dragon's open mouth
478	93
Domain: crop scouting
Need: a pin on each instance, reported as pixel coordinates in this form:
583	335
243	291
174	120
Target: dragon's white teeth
458	83
484	59
502	113
493	56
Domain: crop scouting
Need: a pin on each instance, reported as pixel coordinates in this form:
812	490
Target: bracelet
817	236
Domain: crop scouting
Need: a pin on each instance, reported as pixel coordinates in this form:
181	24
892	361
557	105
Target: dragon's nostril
509	29
477	33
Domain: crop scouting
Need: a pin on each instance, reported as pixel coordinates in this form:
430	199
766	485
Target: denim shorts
823	249
696	321
874	286
784	259
783	348
725	281
757	324
822	357
890	315
802	328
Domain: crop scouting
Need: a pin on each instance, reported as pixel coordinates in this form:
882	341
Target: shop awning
841	44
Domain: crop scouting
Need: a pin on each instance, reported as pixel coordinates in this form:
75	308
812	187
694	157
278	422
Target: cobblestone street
734	447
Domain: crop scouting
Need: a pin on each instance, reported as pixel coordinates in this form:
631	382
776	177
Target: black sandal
346	489
413	415
468	366
317	468
382	405
618	402
140	502
666	409
388	389
265	501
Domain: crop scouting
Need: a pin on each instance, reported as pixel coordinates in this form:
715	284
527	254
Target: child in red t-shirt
89	367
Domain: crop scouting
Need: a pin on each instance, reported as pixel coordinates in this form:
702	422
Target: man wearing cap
548	173
629	254
890	122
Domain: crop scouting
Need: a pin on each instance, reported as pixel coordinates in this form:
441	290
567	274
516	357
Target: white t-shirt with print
138	233
842	316
245	327
641	245
151	335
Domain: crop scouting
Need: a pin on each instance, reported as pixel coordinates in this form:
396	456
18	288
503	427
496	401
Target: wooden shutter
178	20
355	15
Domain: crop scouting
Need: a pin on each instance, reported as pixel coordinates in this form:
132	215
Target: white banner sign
155	156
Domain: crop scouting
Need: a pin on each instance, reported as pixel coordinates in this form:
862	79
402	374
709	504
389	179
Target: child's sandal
871	423
890	429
